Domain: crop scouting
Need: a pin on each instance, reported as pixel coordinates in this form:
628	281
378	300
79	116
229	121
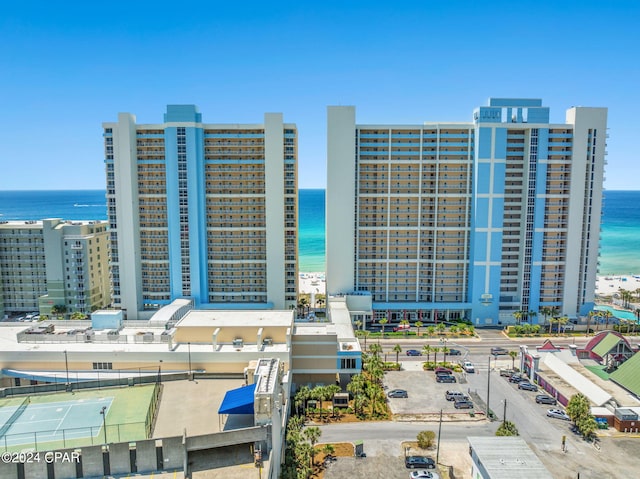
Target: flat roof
508	457
244	318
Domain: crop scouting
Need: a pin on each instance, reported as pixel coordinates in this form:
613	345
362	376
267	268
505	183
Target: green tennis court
77	419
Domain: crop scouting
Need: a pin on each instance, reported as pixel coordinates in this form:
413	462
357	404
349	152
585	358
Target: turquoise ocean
619	245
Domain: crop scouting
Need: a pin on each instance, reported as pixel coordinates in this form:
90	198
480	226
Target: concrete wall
119	458
92	464
146	456
228	438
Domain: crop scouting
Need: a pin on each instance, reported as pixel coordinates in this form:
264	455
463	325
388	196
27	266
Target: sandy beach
311	283
608	285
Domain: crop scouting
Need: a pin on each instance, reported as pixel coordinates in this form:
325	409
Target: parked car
419	462
413	352
544	399
454	352
499	351
468	367
455	396
401	327
507	372
516	378
398	393
424	475
445	379
442	370
464	404
558	414
527	386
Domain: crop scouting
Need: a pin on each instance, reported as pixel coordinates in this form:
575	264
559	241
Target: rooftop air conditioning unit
267	341
237	343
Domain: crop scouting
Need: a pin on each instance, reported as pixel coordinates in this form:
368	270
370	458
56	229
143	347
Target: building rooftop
508	457
251	319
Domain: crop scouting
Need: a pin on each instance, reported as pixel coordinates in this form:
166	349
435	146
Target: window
102	365
348	363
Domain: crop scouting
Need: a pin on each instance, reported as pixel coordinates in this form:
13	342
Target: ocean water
619	243
91	205
620	237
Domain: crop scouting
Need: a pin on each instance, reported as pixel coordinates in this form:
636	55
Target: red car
441	370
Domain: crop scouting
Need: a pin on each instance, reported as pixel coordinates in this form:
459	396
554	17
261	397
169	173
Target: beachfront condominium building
202	211
476	220
53	263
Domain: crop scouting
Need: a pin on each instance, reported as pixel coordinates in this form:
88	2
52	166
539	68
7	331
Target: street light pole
189	346
504	413
66	365
439	431
488	388
104	422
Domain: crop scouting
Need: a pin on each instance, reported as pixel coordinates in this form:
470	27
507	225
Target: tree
562	321
405	322
579	410
431	330
445	351
329	392
590	316
531	315
419	324
517	315
427	349
356	387
301	398
302	305
607	316
440	327
358	323
312	434
435	350
328	449
382	322
513	355
397	349
547	311
426	439
375	349
507	428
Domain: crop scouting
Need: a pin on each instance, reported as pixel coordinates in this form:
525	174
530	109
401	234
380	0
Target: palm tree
513	355
328	449
382	322
607	316
590	316
419	324
318	394
546	311
375	349
441	327
302	305
405	322
301	398
427	349
431	330
356	387
358	323
397	349
329	392
531	315
562	320
312	434
517	315
445	350
435	350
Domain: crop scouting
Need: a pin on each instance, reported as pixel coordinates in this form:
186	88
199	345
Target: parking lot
426	396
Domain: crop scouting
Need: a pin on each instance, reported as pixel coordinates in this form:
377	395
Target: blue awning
238	401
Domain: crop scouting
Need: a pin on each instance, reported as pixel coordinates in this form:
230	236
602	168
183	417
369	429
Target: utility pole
504	413
488	388
439	431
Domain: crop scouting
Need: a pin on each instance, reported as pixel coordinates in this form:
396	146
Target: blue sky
65	67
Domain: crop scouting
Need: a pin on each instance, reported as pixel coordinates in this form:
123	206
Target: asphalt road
613	460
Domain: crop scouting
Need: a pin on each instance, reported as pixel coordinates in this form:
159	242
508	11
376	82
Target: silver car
558	414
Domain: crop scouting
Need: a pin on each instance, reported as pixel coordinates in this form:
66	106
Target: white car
468	367
424	474
558	414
